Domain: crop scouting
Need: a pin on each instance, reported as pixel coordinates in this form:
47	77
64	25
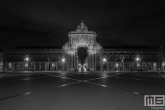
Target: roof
38	47
127	47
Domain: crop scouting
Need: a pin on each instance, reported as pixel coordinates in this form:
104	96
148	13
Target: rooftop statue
82	27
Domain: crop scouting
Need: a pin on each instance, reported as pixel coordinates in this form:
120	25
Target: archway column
92	60
72	60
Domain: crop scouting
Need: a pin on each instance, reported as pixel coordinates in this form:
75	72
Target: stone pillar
89	58
95	61
93	55
5	64
160	60
75	60
72	58
101	64
107	65
40	66
71	62
91	62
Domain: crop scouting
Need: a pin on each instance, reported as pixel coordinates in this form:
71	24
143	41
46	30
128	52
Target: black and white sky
116	22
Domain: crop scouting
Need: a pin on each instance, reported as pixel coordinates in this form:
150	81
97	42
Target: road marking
137	93
2	75
69	84
26	79
27	93
68	78
161	75
138	79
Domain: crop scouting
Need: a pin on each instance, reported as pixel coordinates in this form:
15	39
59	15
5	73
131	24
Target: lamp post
122	64
163	66
26	61
117	65
138	61
48	65
63	60
104	62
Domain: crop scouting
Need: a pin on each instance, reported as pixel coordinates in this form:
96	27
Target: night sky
116	22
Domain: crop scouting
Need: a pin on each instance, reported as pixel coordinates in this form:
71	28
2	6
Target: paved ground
70	91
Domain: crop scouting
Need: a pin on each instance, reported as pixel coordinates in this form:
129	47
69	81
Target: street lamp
48	65
138	61
122	64
63	60
163	66
26	60
104	61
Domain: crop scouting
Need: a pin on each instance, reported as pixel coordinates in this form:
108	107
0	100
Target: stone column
75	60
101	64
71	62
93	61
89	63
5	64
40	66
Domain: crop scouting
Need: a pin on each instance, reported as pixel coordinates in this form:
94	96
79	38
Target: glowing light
163	64
27	59
104	60
63	60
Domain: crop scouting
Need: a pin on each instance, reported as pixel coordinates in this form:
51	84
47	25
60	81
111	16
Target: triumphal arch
82	38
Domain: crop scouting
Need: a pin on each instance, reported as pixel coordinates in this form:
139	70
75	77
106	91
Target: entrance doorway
82	59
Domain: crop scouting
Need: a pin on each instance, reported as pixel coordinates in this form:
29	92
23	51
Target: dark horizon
116	23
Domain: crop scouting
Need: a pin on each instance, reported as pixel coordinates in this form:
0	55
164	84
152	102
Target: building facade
97	59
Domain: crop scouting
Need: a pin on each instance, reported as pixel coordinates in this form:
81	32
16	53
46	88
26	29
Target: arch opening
82	55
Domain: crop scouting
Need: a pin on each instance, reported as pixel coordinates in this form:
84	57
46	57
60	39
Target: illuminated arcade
70	58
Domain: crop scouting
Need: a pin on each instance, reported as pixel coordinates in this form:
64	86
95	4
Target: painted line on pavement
28	93
161	75
68	78
3	75
26	79
68	84
137	93
99	78
138	79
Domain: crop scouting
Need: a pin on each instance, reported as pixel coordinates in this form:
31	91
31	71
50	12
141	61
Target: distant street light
138	61
26	61
63	60
104	61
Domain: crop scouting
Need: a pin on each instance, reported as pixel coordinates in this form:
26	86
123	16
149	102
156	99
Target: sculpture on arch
82	37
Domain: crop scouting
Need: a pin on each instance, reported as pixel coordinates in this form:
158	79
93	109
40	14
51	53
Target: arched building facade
98	58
